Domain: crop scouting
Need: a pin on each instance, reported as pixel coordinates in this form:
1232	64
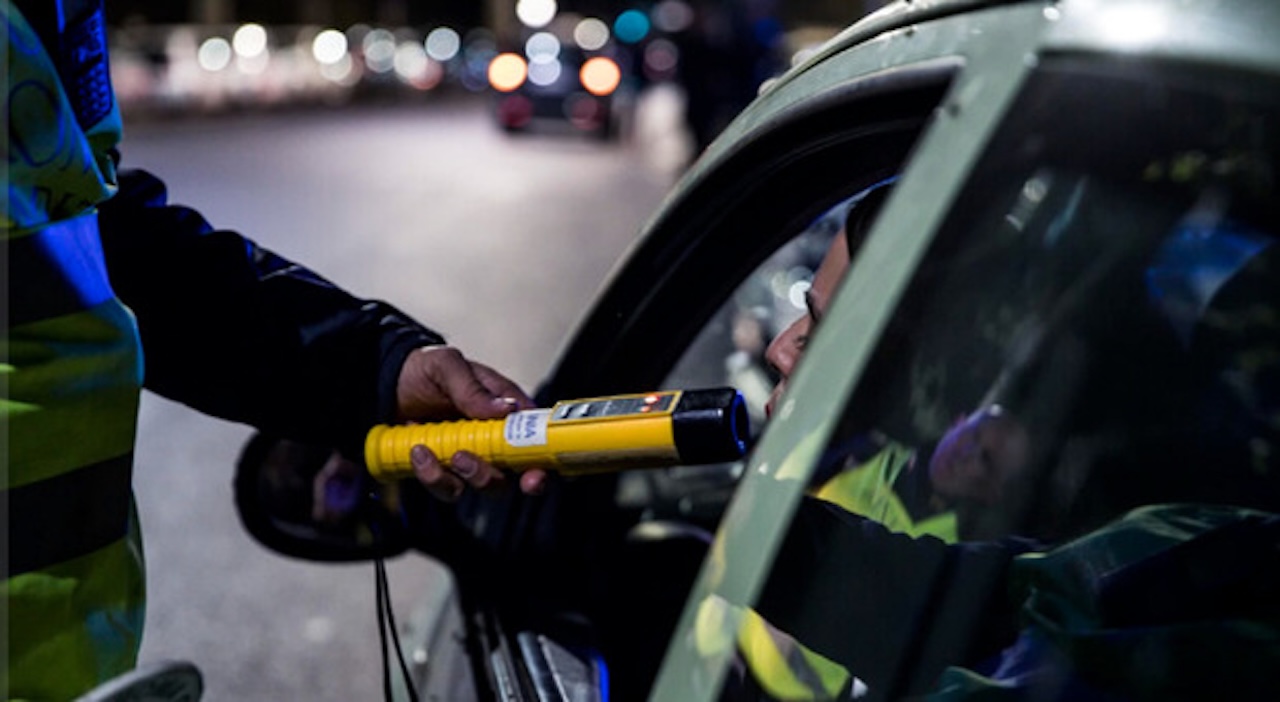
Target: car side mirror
311	502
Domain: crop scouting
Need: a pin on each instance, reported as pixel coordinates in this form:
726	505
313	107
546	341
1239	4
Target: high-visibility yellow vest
867	490
72	372
783	667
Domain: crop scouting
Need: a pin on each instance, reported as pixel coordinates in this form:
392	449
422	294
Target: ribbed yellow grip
387	447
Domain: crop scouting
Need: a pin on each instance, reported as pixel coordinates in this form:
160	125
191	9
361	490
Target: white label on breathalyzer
527	428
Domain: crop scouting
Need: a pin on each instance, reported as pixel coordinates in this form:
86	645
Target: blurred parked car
565	89
1083	234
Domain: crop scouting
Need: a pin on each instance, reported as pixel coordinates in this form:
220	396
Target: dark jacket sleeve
895	610
237	332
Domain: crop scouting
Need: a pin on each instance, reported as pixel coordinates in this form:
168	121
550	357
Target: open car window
1058	472
725	269
729	351
730	348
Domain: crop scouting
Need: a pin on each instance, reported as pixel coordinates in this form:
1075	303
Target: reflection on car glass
939	489
729	351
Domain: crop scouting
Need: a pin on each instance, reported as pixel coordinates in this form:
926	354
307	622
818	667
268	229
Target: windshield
1059	471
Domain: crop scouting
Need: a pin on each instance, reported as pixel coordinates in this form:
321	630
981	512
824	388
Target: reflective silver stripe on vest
69	515
57	270
55	273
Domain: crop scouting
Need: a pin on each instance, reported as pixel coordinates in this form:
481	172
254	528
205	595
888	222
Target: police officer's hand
439	383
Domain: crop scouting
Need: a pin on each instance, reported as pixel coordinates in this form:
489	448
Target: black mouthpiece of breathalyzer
710	426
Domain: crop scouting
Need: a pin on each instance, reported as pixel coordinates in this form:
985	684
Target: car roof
1191	28
898	15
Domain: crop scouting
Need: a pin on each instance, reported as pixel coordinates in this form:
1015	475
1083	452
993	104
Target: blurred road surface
498	243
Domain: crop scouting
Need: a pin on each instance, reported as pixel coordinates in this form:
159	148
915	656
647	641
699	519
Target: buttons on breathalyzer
615	406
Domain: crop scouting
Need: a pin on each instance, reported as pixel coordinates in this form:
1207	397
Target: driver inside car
913	491
1075	635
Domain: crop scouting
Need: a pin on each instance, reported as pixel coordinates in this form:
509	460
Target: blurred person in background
730	48
112	289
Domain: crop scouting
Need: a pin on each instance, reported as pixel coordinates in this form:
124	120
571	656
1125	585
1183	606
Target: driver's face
978	455
786	349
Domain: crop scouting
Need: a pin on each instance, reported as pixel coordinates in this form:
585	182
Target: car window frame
628	343
679	253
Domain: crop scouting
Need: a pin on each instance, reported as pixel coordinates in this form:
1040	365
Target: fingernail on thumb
418	454
464	465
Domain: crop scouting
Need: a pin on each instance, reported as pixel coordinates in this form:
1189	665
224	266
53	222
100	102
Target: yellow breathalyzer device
592	435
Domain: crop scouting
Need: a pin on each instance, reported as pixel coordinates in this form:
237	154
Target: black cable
387	621
382	633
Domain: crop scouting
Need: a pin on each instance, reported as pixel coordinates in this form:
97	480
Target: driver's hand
438	383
